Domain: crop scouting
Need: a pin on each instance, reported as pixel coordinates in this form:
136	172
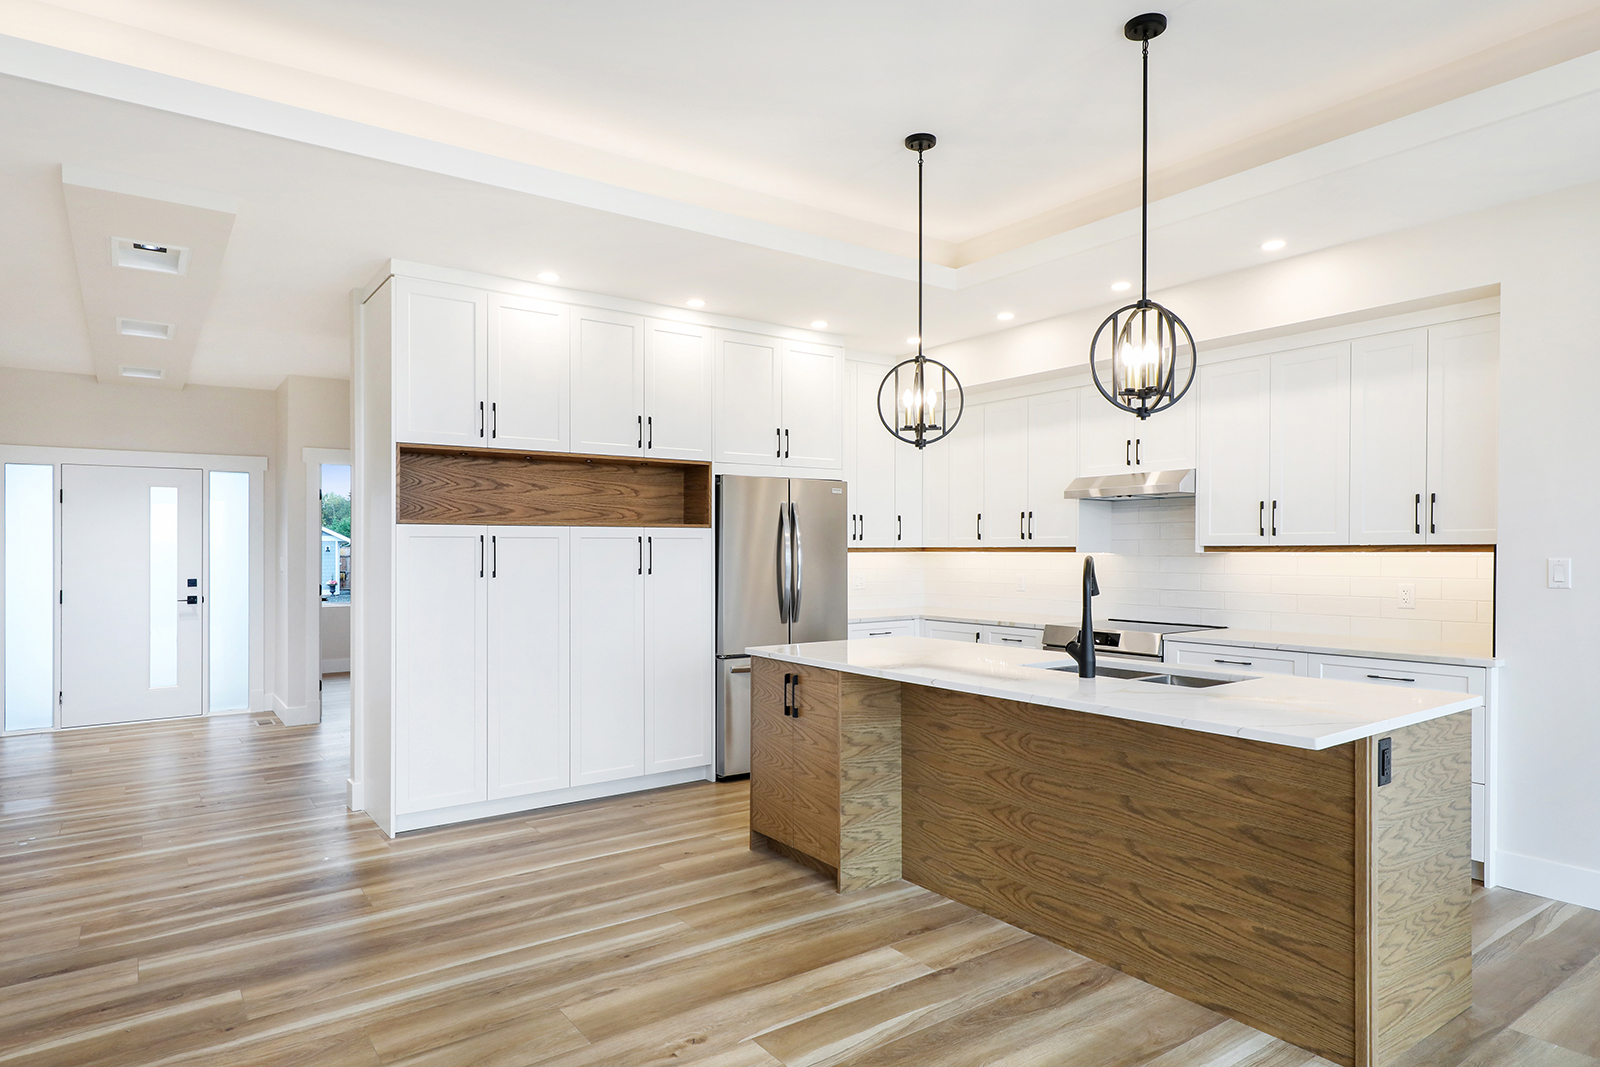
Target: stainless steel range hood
1144	484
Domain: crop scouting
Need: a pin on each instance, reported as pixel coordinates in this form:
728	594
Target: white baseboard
1547	878
336	666
304	715
488	809
352	793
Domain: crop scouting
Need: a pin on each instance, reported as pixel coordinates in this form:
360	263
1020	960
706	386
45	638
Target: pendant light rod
1144	194
920	143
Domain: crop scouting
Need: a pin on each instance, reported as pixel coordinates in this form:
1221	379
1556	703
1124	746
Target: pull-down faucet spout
1082	648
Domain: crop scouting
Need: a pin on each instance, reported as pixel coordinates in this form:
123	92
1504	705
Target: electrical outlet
1408	595
858	583
1022	583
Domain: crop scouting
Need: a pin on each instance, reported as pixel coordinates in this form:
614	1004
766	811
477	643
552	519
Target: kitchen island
1292	852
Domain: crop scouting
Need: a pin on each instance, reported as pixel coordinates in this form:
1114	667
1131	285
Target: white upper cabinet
528	660
1389	438
1052	463
440	722
440	361
679	647
1232	484
1463	432
608	654
1005	472
677	402
607	382
530	373
813	428
871	470
749	398
1423	437
1112	441
1310	459
907	492
964	488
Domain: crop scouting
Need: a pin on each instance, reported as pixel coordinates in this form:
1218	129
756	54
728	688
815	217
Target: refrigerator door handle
783	563
799	560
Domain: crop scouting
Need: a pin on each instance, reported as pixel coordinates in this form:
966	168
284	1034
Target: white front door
130	564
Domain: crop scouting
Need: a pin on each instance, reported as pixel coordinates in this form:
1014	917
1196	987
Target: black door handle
650	432
494	420
494	556
1138	442
1127	452
480	418
899	526
1030	526
778	451
1433	508
980	526
1416	513
1261	520
1274	518
786	444
480	555
650	546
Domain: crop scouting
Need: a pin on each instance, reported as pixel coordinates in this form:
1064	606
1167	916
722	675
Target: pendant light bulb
1149	355
920	403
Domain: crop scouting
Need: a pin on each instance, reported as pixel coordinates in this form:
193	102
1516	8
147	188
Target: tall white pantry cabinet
504	665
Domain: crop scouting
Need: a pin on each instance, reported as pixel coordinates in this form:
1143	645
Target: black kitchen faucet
1082	648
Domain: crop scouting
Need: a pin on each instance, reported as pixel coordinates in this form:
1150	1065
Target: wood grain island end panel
1219	869
503	487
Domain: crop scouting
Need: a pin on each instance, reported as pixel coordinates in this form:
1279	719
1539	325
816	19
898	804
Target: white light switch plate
1560	574
858	583
1408	595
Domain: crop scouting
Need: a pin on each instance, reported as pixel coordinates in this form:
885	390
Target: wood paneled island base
1281	886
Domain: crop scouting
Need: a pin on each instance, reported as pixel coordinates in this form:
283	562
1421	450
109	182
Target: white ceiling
750	153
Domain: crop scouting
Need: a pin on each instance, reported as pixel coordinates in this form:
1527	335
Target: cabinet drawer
1406	674
891	628
1013	636
953	631
1235	658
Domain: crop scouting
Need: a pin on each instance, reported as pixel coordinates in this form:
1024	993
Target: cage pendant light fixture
920	400
1142	356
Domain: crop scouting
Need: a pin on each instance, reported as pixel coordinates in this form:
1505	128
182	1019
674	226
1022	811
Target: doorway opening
333	613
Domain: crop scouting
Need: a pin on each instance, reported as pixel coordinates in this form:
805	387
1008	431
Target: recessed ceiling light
142	372
1005	316
1121	287
820	324
161	331
696	303
1272	245
549	276
149	255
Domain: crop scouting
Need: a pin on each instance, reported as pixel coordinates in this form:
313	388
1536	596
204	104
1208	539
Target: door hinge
1385	760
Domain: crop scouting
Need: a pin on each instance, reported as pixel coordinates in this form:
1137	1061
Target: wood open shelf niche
503	487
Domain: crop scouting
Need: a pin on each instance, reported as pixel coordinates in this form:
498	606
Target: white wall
1542	255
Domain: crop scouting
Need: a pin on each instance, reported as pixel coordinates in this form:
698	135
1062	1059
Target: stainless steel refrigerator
781	579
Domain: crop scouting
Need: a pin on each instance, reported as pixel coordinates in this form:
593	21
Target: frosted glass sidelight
229	593
163	586
30	596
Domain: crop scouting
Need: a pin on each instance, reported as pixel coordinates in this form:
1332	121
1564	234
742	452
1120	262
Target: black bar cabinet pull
899	526
641	555
1138	442
494	420
786	679
494	556
786	444
980	526
1236	662
650	546
1030	526
480	418
794	696
1022	526
1261	519
1433	507
650	432
480	555
778	451
1389	678
1274	518
1127	452
1416	513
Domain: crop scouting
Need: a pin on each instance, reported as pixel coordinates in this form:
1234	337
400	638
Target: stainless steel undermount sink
1141	676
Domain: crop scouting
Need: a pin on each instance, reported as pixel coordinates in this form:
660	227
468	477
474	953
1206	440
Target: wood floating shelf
504	487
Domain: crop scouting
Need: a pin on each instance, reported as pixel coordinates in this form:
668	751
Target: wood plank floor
196	893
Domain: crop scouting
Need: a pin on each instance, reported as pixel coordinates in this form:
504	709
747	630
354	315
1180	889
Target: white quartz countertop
1328	644
1312	713
980	618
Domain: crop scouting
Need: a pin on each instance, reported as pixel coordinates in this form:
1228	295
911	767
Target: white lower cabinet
883	628
528	660
441	720
952	631
532	659
1014	636
642	652
1235	659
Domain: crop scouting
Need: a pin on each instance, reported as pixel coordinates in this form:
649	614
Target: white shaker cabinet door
677	403
1231	488
1105	436
1166	440
967	522
813	430
1005	472
680	650
607	654
440	355
1052	464
530	374
1310	503
607	382
873	456
1463	432
529	660
1389	438
440	720
908	461
749	398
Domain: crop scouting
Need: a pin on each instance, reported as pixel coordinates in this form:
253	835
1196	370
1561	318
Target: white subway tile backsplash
1156	573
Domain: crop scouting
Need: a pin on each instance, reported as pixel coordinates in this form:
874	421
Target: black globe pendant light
914	398
1146	361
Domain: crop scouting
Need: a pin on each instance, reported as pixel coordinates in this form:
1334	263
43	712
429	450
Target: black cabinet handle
880	633
1030	526
640	420
786	680
1416	513
899	526
650	547
778	452
1387	678
650	432
1137	442
980	526
794	696
1012	640
1274	518
1433	507
1236	662
1261	519
494	556
1127	452
480	418
641	555
480	555
494	420
786	444
1022	526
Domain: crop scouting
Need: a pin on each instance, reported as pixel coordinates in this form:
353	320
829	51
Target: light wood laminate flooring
197	893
